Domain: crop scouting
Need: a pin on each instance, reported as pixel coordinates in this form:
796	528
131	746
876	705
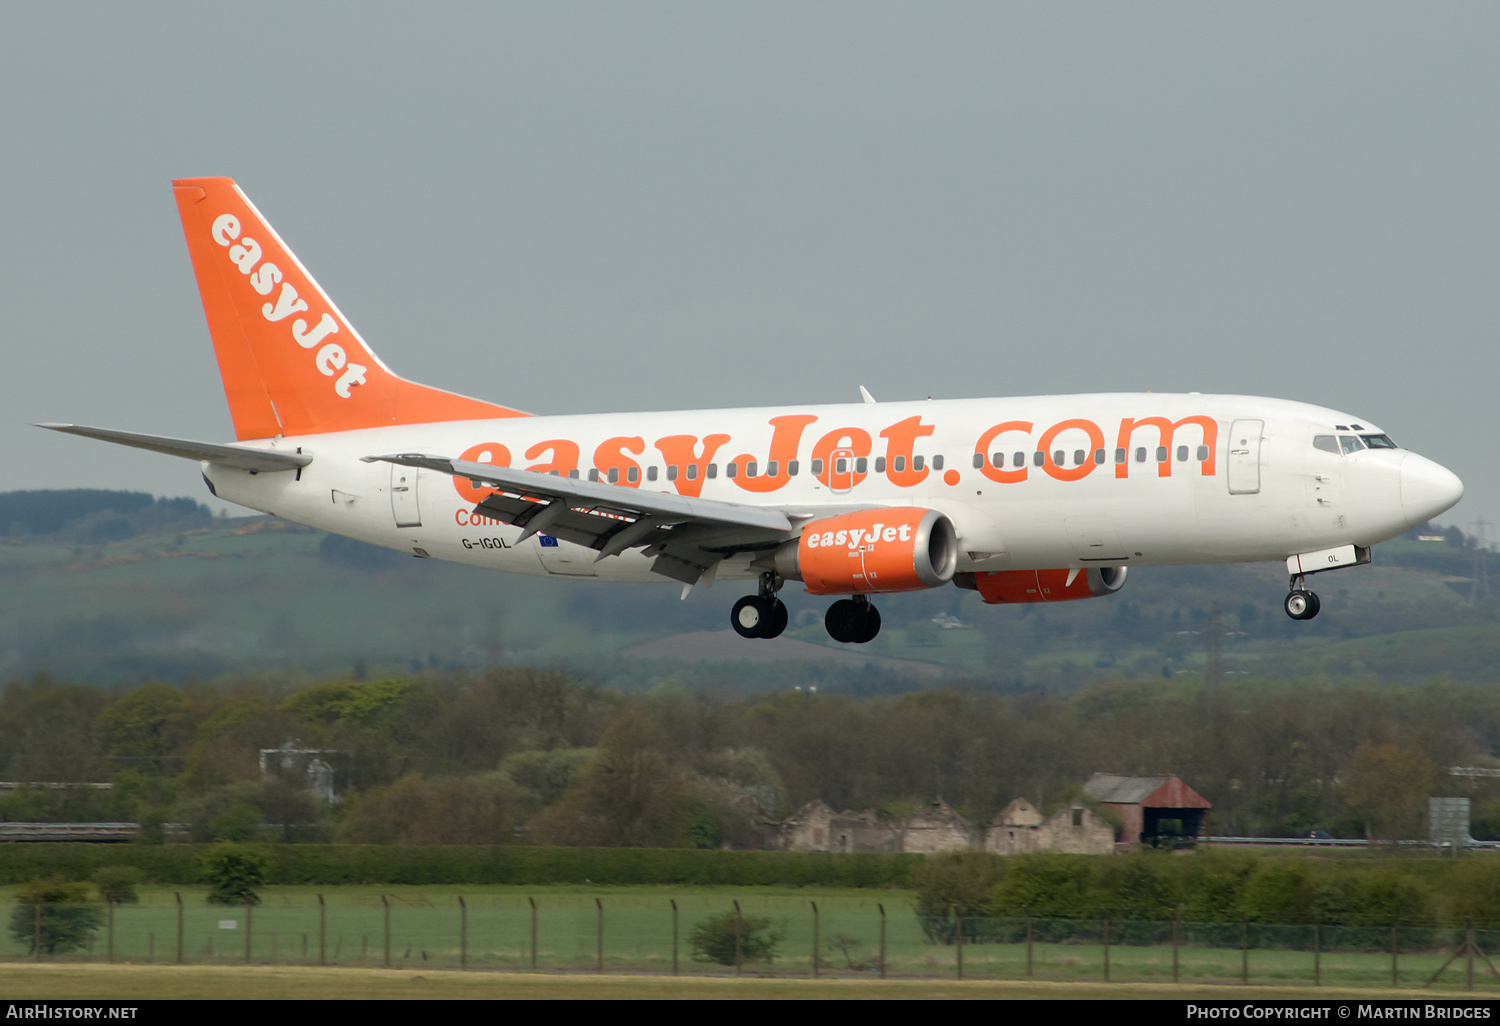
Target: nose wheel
760	616
852	620
1300	603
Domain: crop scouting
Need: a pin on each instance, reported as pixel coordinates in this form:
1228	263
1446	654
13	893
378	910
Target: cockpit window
1327	443
1350	443
1379	442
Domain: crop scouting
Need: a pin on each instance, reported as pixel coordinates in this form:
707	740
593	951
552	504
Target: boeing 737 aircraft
1037	499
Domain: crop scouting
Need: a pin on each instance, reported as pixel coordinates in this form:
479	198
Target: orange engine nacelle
1044	585
904	548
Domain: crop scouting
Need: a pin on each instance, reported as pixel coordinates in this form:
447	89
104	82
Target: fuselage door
1244	456
841	470
404	496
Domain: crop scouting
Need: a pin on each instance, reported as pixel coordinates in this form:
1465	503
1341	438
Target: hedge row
431	865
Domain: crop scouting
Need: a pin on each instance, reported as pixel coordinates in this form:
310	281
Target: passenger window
1182	452
1140	454
880	464
1202	454
1078	457
731	469
841	465
1099	455
937	463
1019	459
633	474
979	459
916	463
614	475
1349	443
573	473
771	468
1119	455
861	464
692	472
713	471
1161	454
651	474
750	469
594	475
1038	458
1059	458
672	472
792	467
817	467
899	464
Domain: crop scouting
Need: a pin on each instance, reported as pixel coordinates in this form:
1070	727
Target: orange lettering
844	439
982	450
902	438
611	456
784	440
1167	431
485	452
1084	469
564	456
682	451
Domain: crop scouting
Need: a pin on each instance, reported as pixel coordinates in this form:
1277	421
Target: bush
54	915
117	883
957	881
234	871
713	940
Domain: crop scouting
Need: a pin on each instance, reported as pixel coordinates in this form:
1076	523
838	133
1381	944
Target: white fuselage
1241	481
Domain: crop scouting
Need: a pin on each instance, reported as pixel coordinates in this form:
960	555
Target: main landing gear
852	619
762	615
1300	603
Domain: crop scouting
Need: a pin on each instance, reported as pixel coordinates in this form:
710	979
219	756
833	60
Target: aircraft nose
1427	489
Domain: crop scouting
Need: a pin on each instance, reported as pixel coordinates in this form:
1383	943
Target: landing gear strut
1300	603
762	615
852	619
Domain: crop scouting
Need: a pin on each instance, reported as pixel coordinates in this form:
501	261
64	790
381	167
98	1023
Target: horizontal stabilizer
224	455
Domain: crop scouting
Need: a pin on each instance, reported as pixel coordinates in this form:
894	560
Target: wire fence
783	937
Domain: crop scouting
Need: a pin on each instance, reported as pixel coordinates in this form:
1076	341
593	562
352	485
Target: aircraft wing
256	460
687	536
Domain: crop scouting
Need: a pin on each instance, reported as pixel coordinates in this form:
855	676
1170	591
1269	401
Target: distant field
427	934
149	983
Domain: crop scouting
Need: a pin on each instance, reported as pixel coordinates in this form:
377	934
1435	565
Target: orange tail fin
291	363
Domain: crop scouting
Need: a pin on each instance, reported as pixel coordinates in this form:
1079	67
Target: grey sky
584	207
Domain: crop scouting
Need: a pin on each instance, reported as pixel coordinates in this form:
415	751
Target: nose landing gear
762	615
852	620
1300	603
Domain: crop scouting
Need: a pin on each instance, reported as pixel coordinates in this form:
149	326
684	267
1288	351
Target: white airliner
1035	499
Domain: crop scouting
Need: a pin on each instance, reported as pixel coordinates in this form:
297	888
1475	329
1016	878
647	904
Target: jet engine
1044	585
903	548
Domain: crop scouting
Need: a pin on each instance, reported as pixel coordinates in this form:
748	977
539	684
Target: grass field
146	983
429	931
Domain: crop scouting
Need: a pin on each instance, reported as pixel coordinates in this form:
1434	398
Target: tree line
518	755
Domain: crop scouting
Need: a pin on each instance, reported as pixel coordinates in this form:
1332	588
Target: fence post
247	930
322	931
882	939
1105	917
387	903
111	905
178	896
1176	941
674	935
1027	912
1317	958
1469	952
815	939
1244	948
599	959
463	933
1393	956
533	933
36	937
737	923
959	922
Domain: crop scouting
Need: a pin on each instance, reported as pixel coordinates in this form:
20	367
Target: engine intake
902	548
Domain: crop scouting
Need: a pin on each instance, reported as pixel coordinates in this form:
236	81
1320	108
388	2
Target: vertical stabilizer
291	363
